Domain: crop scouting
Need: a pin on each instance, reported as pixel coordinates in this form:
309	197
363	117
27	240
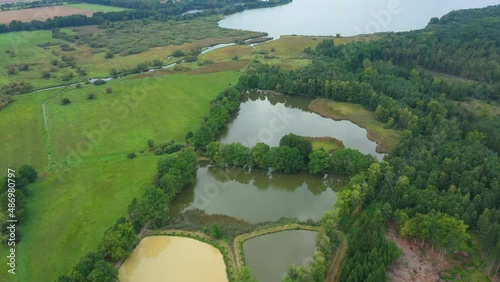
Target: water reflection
269	256
256	196
266	117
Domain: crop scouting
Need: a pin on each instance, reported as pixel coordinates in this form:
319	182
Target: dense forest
442	178
140	9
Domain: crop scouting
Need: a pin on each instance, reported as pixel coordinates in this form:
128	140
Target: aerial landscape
249	140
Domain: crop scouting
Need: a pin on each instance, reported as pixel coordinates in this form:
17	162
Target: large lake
347	17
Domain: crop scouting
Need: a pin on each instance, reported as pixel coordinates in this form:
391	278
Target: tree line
293	154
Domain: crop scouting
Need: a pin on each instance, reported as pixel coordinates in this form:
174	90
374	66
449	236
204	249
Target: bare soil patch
413	265
41	14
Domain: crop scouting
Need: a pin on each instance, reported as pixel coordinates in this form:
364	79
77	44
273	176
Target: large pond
347	17
269	256
166	258
265	117
258	197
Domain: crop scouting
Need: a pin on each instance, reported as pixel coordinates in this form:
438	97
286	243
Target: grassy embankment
385	138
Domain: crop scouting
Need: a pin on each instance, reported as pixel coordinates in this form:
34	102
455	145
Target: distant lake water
347	17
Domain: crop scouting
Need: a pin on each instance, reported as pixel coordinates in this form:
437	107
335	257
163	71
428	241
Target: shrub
11	70
99	82
109	90
91	96
158	151
67	76
131	155
178	53
109	54
46	74
24	67
65	101
192	58
235	58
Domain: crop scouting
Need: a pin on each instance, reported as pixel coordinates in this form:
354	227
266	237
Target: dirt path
238	241
337	258
46	129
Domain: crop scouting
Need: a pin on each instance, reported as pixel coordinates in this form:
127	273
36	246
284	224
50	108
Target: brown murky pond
168	258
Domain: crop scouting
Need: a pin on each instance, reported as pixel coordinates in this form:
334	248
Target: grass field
95	7
66	219
385	138
328	144
23	139
19	48
158	108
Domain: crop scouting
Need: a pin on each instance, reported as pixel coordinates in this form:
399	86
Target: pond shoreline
321	108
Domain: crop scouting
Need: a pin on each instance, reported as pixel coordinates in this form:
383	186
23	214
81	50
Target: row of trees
222	109
174	172
294	154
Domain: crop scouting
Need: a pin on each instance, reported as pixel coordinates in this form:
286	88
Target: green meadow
67	217
95	7
161	108
23	138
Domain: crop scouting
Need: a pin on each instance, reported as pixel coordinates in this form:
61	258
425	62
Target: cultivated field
41	14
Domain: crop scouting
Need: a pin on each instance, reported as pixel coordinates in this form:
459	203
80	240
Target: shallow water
167	258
